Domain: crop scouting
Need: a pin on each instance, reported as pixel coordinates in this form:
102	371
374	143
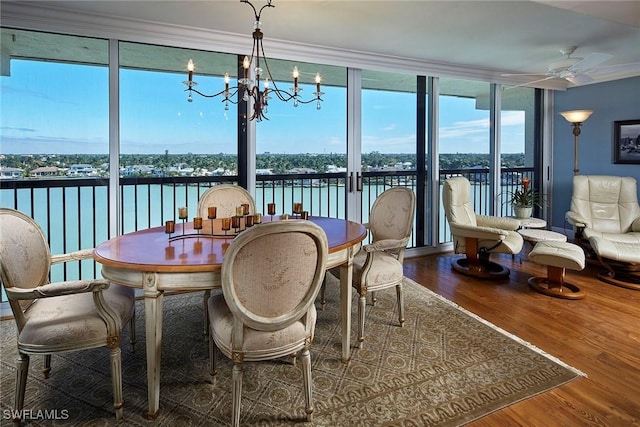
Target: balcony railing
73	212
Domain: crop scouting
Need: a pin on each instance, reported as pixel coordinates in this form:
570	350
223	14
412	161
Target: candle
169	227
285	216
305	214
197	223
182	213
249	220
212	211
318	83
235	222
257	218
271	208
245	209
190	67
297	208
226	223
246	64
239	211
296	74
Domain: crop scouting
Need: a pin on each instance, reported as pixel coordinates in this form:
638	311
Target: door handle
350	182
358	181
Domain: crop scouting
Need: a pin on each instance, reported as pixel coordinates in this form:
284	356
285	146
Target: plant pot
522	212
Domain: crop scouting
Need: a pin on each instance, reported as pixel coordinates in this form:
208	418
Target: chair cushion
258	345
608	204
385	270
619	251
72	321
630	238
558	254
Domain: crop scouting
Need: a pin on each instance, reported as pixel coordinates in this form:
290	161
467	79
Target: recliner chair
477	236
606	218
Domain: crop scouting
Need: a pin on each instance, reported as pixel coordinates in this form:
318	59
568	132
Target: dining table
191	259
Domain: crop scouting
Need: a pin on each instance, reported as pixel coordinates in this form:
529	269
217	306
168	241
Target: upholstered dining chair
226	198
378	265
271	275
477	236
605	216
57	317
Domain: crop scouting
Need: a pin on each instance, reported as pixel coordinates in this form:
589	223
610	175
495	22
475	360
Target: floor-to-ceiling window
464	139
170	149
519	153
54	131
164	137
389	136
301	150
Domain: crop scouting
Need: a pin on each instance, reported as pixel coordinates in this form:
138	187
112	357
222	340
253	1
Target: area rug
445	367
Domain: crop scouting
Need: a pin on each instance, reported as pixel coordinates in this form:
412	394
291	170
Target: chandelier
248	87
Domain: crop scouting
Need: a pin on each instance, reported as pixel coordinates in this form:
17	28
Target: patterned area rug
446	367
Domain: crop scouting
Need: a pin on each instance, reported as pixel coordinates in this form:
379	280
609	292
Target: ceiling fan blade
620	68
523	74
579	79
590	61
530	83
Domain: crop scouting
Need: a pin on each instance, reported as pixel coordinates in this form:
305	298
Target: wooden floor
599	335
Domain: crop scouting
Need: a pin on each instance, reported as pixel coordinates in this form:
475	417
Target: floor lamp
576	118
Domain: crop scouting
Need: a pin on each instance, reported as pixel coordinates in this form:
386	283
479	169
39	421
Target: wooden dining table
191	260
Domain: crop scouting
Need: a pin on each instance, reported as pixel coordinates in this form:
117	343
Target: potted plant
524	199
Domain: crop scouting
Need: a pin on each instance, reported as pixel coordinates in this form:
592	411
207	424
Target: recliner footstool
557	256
621	259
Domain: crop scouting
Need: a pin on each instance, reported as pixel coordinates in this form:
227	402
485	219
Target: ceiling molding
24	15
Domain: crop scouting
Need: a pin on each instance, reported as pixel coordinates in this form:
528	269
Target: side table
534	236
531	222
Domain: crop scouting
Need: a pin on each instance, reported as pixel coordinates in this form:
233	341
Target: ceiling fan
578	71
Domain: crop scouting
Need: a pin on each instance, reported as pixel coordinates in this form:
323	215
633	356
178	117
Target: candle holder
235	223
257	218
212	212
197	224
305	215
169	227
297	208
271	209
182	214
248	221
226	225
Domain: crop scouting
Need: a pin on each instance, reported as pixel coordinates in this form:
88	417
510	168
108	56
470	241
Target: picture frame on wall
626	142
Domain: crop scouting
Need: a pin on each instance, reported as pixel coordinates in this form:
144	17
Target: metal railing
73	212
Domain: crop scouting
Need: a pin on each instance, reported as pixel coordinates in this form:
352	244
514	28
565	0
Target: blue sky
63	108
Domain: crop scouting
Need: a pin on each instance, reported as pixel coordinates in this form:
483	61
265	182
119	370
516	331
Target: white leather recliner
606	218
477	236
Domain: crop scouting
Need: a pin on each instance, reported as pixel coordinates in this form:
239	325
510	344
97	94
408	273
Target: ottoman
621	259
557	256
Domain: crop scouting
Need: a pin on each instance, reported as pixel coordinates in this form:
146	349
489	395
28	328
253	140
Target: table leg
153	299
346	270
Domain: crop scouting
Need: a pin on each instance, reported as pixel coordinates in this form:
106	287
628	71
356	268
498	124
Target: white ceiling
490	37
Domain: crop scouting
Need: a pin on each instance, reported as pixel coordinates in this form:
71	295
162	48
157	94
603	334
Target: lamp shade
576	116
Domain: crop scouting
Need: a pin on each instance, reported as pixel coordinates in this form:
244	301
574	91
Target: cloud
14	129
